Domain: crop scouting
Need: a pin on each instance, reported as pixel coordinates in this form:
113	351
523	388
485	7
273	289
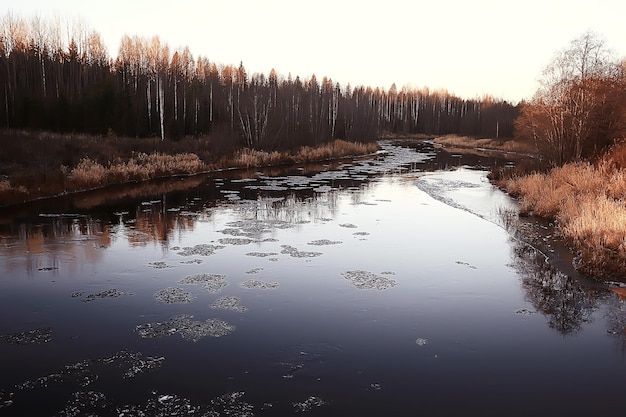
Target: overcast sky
469	47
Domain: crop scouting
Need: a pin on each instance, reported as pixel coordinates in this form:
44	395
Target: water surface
379	287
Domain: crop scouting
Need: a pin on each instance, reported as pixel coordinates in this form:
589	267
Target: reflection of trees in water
154	223
291	207
60	241
565	303
615	316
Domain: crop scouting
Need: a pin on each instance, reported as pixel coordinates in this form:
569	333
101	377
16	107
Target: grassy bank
587	201
467	142
38	165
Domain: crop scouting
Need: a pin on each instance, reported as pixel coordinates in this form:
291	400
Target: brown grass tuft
91	174
456	141
588	203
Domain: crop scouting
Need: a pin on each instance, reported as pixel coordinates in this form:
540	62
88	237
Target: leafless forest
58	76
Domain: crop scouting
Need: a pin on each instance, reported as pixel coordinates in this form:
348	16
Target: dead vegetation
39	164
468	142
588	202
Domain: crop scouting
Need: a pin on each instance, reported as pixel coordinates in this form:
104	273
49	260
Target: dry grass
336	149
455	141
91	174
588	202
40	164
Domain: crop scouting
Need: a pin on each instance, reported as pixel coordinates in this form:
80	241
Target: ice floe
201	249
174	295
420	341
293	252
235	241
188	328
261	254
261	285
365	280
213	283
324	242
30	337
308	404
229	303
112	293
159	265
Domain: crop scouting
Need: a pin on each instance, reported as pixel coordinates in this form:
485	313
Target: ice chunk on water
229	303
213	283
420	341
324	242
262	285
308	404
295	253
188	328
112	293
30	337
174	295
201	249
365	280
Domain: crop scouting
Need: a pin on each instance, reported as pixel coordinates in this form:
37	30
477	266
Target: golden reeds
588	203
90	174
456	141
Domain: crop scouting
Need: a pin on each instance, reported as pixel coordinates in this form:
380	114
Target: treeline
64	80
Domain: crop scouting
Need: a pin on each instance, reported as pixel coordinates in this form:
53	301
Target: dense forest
60	77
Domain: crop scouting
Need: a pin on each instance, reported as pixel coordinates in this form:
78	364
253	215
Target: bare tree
560	116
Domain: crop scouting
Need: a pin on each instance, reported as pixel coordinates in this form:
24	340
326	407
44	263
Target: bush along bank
587	201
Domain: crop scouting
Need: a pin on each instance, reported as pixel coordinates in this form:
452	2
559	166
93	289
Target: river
392	285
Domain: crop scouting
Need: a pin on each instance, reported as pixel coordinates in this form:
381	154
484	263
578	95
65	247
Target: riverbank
35	165
586	202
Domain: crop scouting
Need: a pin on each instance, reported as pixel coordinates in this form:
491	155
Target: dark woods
151	91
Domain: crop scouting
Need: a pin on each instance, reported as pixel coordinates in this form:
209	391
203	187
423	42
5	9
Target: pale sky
468	47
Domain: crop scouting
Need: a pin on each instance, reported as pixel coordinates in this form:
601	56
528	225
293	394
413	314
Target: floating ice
84	403
83	373
254	271
348	225
308	404
365	280
262	285
230	405
192	261
375	387
324	242
30	337
158	265
174	295
112	293
361	233
212	282
323	189
290	250
187	328
201	249
6	398
235	241
229	303
261	254
420	341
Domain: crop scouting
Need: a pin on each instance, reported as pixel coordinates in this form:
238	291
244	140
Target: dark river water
396	285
